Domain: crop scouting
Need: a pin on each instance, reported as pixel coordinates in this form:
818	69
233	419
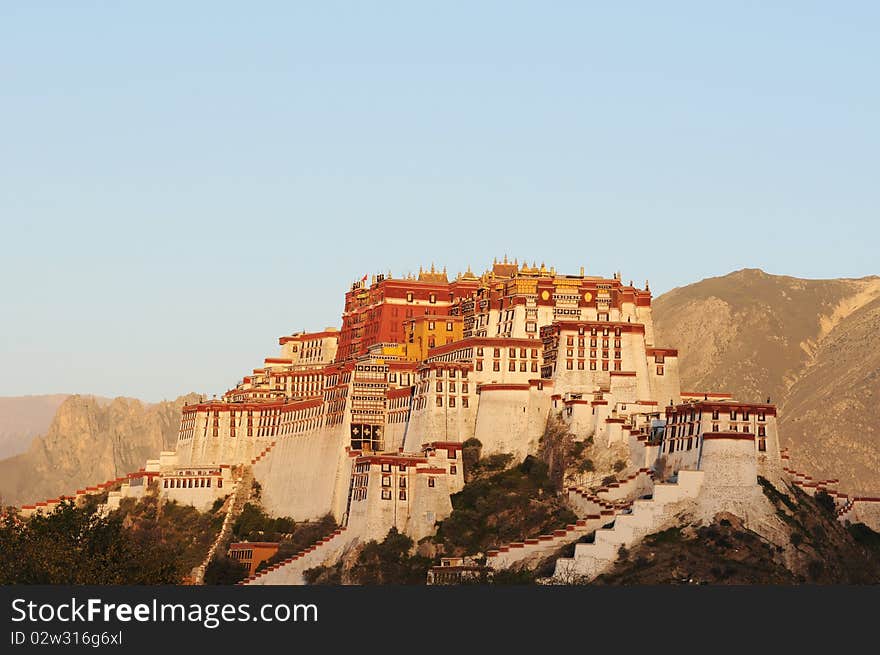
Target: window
762	445
464	387
439	401
452	401
762	431
402	483
431	342
464	402
733	415
569	364
439	386
531	327
616	365
511	352
432	298
733	427
401	467
479	352
479	364
534	367
617	343
386	468
715	415
592	343
760	416
604	343
452	469
496	365
430	325
714	427
745	416
386	480
430	482
409	296
386	494
604	364
497	352
522	367
402	494
534	353
593	365
569	341
659	369
580	365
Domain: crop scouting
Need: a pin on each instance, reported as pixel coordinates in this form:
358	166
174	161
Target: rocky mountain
812	346
90	440
24	417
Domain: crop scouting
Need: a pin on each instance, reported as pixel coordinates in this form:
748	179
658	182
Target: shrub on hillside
506	506
75	545
224	571
390	562
253	524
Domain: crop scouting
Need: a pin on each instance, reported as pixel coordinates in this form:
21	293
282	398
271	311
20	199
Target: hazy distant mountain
90	440
813	346
24	417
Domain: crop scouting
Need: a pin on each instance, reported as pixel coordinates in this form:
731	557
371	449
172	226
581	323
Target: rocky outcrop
90	440
813	346
23	418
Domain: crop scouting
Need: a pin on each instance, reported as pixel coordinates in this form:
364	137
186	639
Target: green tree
389	562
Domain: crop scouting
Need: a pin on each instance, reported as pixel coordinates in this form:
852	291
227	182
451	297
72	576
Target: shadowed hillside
813	346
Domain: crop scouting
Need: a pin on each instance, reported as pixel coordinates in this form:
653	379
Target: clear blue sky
182	182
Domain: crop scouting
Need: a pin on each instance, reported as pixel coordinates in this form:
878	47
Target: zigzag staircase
647	516
594	510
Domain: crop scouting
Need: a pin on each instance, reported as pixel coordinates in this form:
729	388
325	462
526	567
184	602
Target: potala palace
366	422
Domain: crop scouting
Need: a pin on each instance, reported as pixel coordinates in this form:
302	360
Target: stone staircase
546	544
593	508
647	516
264	452
241	493
614	497
290	571
845	508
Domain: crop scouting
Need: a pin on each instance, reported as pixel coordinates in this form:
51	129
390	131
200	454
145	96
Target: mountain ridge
812	345
90	440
